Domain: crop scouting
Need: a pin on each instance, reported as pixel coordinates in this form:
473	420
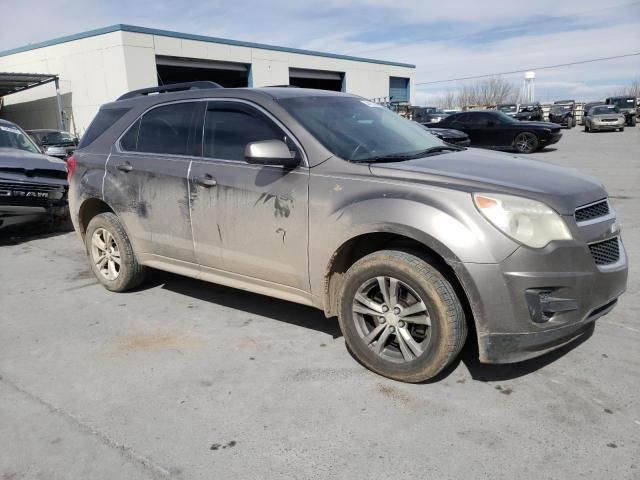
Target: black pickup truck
33	186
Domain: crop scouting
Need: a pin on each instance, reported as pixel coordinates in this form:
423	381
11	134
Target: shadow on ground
16	235
311	318
280	310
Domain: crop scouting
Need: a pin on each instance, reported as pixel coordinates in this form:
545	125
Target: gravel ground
187	380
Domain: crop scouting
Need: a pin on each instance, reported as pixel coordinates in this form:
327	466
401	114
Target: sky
445	40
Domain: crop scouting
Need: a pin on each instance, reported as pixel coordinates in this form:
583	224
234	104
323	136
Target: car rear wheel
400	317
526	142
111	255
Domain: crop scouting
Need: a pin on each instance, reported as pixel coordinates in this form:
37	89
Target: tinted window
129	141
228	130
167	129
103	120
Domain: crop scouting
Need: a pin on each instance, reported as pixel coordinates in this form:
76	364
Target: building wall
98	69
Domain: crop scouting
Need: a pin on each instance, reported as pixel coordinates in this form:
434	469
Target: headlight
527	221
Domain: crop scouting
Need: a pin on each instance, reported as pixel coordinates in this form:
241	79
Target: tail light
71	167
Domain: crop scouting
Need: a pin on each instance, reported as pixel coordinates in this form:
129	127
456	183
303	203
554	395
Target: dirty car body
294	231
33	186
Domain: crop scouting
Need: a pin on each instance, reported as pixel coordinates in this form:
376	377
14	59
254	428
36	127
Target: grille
590	212
607	252
32	187
24	201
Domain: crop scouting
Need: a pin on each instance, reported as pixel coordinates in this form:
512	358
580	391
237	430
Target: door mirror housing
76	141
270	152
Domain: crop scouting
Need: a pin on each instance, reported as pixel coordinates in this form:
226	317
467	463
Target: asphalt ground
188	380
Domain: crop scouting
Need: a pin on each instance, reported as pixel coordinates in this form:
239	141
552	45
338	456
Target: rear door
146	179
247	219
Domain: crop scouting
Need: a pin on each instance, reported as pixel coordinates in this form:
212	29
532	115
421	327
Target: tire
622	129
108	229
633	121
526	142
435	336
586	128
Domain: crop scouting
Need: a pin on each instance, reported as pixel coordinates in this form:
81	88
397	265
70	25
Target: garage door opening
399	89
321	79
178	70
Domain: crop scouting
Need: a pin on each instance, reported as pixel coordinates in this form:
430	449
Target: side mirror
75	141
270	152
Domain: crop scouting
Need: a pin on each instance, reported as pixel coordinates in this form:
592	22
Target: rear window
103	120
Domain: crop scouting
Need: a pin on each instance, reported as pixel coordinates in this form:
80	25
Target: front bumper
606	126
553	138
503	314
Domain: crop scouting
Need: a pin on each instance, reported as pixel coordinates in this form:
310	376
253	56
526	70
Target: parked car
427	114
510	109
494	129
587	108
454	137
531	112
626	106
56	143
329	200
563	112
604	117
33	186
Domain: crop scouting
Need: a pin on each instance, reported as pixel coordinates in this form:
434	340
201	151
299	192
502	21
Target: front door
247	219
147	179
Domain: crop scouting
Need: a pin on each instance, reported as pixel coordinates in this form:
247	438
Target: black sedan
455	137
495	130
33	186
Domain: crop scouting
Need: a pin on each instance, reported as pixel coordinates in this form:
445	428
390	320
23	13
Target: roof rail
174	87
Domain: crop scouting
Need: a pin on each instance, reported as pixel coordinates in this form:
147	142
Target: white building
98	66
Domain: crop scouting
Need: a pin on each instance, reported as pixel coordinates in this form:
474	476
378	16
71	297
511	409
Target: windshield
53	138
358	130
12	136
629	102
508	108
560	108
604	110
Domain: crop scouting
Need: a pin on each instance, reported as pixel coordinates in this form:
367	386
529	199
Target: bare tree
631	90
487	92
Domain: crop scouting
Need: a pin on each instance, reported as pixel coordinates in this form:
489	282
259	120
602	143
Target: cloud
443	39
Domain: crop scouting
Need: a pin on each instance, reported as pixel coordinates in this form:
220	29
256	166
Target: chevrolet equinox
332	201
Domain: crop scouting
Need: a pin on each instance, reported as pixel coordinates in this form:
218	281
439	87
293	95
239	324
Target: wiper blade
399	157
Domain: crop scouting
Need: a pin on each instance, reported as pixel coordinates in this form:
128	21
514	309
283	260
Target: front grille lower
606	252
24	202
595	210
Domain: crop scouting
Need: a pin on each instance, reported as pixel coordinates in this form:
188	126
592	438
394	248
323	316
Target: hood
549	125
447	132
476	170
14	159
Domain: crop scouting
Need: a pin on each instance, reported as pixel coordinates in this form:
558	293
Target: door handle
206	181
125	167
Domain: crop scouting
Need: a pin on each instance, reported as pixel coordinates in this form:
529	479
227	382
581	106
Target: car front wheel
400	316
526	142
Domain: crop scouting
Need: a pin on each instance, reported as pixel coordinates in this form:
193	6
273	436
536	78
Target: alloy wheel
525	142
392	319
105	254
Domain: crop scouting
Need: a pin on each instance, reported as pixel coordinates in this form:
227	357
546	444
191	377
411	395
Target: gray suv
332	201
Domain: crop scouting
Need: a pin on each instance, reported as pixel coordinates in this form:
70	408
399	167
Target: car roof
7	122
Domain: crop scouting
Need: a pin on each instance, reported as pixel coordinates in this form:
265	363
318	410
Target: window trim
304	160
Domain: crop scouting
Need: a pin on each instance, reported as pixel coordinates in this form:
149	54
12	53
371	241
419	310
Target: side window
459	119
167	129
229	128
129	141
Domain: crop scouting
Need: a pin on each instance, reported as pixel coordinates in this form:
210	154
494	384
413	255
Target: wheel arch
89	208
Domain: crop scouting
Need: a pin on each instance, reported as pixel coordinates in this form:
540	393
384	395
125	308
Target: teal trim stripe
189	36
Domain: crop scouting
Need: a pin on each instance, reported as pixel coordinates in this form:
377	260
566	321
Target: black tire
446	334
531	144
622	129
633	121
586	128
130	273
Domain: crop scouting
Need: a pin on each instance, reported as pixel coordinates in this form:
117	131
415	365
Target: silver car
604	117
332	201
